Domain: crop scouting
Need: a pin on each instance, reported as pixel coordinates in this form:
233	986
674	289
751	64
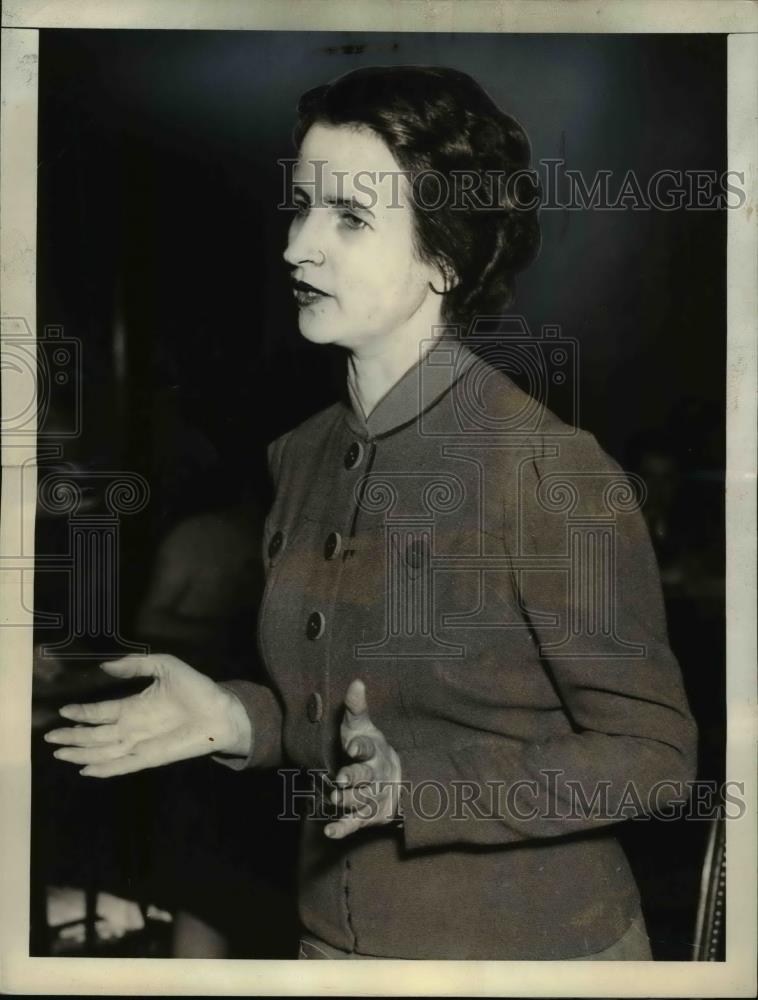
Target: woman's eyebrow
352	203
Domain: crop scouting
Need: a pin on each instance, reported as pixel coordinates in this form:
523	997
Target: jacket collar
423	385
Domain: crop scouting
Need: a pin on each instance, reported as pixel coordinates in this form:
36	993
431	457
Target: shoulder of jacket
520	414
305	433
571	452
543	443
542	429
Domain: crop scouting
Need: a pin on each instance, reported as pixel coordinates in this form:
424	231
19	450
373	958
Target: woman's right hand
181	714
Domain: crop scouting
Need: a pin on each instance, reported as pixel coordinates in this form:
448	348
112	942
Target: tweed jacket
485	569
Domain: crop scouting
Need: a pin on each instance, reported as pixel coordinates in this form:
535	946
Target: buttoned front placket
337	520
352	466
359	459
329	524
352	554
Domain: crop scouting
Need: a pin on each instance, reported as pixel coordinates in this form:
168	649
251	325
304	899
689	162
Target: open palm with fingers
182	714
369	787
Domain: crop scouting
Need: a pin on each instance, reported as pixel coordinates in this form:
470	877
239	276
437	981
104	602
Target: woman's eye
301	207
352	221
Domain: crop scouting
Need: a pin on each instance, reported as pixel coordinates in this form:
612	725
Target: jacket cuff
265	717
429	805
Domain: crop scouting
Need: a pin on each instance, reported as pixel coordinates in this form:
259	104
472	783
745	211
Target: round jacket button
333	545
354	455
315	627
277	540
414	553
315	707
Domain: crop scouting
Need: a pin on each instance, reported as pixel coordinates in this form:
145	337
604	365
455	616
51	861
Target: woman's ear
446	279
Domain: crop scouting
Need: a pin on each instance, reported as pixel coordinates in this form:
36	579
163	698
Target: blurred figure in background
652	456
218	858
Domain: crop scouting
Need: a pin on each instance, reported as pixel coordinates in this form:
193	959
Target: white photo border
20	973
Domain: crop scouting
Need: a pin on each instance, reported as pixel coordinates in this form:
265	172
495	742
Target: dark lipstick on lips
305	294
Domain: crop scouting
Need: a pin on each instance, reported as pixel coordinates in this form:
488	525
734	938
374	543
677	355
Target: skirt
632	946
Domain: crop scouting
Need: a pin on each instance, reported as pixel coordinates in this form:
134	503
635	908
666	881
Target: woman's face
352	242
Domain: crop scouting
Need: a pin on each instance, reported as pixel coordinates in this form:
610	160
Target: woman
462	622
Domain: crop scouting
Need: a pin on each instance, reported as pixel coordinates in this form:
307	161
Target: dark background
159	248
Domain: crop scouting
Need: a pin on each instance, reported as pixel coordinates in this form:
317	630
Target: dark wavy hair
441	120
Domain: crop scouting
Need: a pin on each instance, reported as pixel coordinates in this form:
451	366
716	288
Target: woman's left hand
368	787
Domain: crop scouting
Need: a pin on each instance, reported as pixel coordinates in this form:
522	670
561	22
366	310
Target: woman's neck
372	372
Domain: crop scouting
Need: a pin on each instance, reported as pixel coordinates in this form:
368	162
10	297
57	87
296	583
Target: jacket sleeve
260	702
632	741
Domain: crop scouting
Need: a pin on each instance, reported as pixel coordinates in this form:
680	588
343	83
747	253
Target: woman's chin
315	329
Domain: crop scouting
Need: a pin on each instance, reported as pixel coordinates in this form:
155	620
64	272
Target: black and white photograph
378	542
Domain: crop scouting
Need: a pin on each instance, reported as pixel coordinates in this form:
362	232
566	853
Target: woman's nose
303	242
